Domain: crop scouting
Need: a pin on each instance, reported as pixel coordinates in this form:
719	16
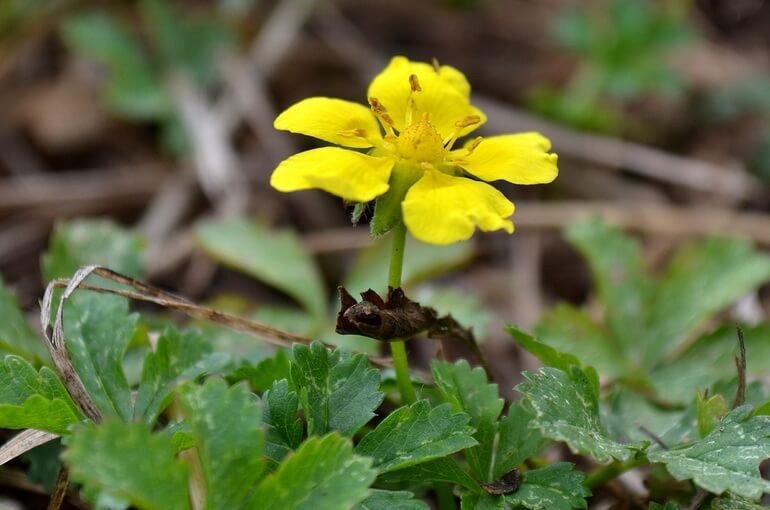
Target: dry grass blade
151	294
57	348
23	442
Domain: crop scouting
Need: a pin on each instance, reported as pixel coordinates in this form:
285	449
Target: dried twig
740	365
48	195
60	490
649	217
151	294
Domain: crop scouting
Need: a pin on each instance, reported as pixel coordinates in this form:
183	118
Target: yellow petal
521	159
441	209
445	95
344	173
333	120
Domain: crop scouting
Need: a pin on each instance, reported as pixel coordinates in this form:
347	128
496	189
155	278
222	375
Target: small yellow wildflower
416	113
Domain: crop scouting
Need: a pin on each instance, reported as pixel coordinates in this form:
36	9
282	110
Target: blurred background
139	134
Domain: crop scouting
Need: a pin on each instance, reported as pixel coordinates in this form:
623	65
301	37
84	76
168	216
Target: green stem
397	347
609	472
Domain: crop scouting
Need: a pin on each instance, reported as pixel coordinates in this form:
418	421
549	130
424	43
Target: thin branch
740	365
60	490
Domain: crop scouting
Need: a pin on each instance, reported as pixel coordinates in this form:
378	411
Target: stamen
382	115
353	133
436	65
471	146
414	83
411	106
468	121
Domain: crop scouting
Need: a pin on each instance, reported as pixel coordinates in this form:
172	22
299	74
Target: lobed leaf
337	392
284	428
725	460
323	474
468	391
387	500
128	462
177	356
34	399
414	434
226	424
555	487
566	405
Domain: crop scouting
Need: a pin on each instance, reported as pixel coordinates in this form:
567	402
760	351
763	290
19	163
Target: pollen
421	142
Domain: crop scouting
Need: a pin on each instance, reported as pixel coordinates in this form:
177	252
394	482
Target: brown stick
60	491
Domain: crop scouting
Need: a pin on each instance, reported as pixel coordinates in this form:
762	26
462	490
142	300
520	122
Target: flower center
420	142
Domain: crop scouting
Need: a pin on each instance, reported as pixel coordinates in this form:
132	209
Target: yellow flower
416	113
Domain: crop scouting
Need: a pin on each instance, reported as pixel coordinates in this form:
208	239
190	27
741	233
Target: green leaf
547	355
275	257
443	469
702	279
555	487
566	406
80	242
263	374
414	434
725	460
98	329
337	391
285	429
133	88
34	399
667	506
323	474
227	426
388	500
517	441
177	356
185	43
481	501
421	262
709	411
618	267
572	331
128	462
627	410
468	391
16	335
730	502
678	380
40	413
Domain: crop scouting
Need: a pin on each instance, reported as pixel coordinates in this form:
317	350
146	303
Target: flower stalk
397	347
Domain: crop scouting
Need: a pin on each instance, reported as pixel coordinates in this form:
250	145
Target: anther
436	65
471	146
414	83
353	133
380	110
468	121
